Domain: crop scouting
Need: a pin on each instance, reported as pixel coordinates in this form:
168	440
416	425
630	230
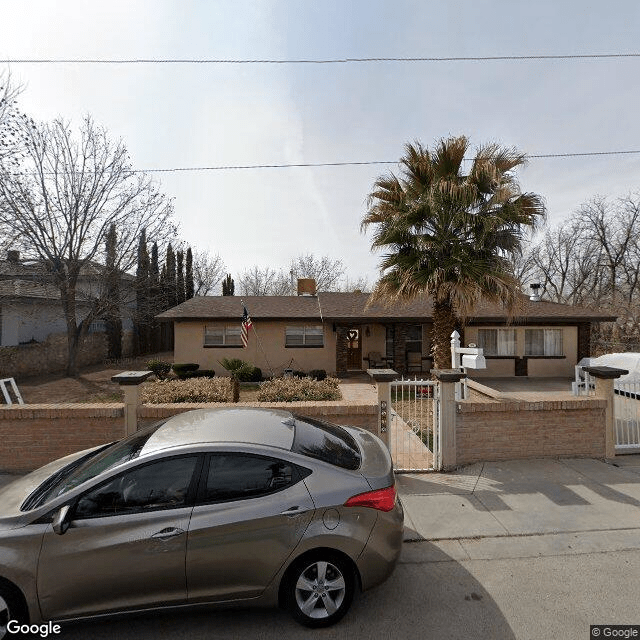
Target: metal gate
414	427
626	409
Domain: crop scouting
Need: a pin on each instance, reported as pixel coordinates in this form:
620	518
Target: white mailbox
474	361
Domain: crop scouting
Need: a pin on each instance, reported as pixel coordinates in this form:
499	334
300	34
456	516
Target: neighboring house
30	308
337	333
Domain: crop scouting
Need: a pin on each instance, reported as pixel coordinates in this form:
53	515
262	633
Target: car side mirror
61	520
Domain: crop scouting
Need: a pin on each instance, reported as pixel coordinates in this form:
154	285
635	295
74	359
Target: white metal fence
626	409
413	439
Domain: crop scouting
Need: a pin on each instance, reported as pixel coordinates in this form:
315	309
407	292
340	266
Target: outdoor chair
376	361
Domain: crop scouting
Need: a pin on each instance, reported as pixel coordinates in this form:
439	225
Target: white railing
626	411
412	436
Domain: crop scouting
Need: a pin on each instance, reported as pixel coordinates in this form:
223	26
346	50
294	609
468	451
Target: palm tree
450	235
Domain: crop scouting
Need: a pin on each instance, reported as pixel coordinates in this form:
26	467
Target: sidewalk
547	506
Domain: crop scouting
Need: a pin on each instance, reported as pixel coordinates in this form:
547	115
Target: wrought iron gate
414	425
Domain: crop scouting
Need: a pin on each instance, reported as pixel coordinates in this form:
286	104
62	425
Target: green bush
318	374
298	374
160	368
248	373
185	370
202	373
232	364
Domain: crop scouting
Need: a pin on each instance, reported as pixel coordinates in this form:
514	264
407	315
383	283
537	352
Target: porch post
382	378
604	389
130	381
447	378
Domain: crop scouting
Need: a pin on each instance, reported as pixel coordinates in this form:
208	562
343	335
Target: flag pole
259	342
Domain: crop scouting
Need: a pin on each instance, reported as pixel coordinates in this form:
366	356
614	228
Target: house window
222	336
414	339
304	336
497	342
543	342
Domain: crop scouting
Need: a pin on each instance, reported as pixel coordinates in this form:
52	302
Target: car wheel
319	589
10	609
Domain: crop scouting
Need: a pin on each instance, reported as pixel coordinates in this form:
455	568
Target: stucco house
338	333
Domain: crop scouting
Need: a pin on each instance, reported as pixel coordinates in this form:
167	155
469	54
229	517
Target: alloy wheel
320	590
4	617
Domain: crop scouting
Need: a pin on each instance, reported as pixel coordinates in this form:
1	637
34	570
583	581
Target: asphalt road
431	595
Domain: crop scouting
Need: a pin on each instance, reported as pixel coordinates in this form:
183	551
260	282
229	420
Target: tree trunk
444	322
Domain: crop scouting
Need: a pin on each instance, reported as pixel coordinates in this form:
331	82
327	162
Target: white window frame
500	352
230	335
306	333
546	342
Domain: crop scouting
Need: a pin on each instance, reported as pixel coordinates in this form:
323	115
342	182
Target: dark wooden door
354	350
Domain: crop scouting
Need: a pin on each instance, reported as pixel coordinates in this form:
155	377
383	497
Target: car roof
270	427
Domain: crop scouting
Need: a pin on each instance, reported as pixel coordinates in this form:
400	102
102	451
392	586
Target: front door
354	350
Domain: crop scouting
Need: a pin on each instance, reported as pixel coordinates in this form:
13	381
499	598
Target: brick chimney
306	287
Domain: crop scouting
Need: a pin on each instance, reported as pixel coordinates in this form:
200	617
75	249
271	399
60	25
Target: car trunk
376	465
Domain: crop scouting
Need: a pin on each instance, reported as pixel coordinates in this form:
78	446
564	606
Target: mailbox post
472	358
129	381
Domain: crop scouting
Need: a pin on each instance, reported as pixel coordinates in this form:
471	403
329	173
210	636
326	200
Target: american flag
246	323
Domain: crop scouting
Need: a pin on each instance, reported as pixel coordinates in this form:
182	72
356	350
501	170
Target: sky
190	115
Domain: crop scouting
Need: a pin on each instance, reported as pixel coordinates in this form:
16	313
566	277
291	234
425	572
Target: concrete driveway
535	549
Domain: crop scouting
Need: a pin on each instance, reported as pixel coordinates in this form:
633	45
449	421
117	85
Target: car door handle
293	511
168	533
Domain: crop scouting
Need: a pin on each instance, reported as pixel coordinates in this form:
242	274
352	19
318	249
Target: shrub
185	370
192	390
202	373
232	364
248	373
160	368
298	374
296	389
318	374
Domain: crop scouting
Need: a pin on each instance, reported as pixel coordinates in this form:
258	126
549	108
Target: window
414	338
327	442
221	336
238	476
497	342
304	336
543	342
158	485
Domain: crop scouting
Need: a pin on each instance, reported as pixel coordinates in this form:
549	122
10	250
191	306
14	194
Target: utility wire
119	61
368	162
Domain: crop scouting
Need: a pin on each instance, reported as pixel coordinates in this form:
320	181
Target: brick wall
33	435
503	430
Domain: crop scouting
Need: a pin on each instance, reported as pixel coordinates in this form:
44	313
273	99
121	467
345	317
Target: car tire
319	588
11	608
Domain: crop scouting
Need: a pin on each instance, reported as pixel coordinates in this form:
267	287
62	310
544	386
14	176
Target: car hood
15	493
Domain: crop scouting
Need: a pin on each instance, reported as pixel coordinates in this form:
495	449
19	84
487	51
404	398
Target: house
338	333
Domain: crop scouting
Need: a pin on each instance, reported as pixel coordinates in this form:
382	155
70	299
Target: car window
93	465
239	476
327	442
158	485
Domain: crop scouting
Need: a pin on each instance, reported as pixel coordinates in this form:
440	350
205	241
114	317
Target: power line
367	162
120	61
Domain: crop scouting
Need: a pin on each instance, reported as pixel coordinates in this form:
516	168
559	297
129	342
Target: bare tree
348	285
208	272
257	281
325	271
69	191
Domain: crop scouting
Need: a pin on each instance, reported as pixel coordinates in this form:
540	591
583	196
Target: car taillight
381	499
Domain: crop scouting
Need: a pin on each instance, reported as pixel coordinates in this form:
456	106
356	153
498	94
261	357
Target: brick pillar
342	344
447	379
604	389
382	378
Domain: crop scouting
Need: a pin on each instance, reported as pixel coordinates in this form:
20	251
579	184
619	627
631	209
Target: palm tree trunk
444	322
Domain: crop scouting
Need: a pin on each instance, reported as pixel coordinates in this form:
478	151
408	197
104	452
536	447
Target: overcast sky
209	115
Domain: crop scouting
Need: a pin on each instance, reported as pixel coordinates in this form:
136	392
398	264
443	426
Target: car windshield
327	442
90	466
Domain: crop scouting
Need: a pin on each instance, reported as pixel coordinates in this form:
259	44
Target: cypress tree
143	306
228	286
180	277
113	320
172	297
156	302
189	284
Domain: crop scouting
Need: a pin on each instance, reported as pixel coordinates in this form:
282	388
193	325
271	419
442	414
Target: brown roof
351	307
